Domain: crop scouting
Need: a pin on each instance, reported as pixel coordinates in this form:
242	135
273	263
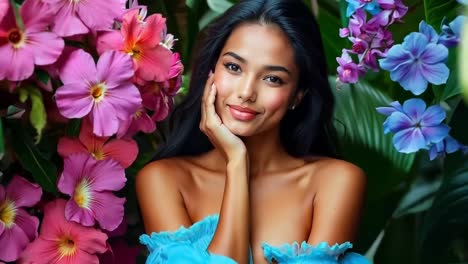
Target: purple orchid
415	127
348	71
416	62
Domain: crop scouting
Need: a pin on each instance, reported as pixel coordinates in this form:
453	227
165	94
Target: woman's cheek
276	100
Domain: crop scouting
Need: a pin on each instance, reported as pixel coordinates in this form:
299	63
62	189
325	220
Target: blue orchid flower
417	62
415	126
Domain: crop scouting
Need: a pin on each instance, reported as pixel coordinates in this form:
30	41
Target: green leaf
42	76
38	114
43	171
463	58
447	218
419	198
219	6
436	10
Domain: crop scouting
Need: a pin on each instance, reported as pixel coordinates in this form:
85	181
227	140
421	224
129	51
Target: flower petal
414	108
28	223
399	121
99	15
108	210
13	241
104	119
92	142
114	68
15	64
410	78
67	146
109	40
45	46
79	68
107	175
415	43
125	99
75	213
74	100
151	33
36	15
113	149
396	56
154	64
92	241
409	140
433	116
67	23
74	168
22	192
436	73
80	257
434	53
45	250
435	134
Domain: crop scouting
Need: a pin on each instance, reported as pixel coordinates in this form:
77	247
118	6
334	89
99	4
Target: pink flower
63	242
140	121
17	227
3	8
105	92
99	147
90	183
80	17
348	71
141	40
22	49
155	99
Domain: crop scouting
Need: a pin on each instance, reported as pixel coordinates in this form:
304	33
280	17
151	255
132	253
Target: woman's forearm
232	235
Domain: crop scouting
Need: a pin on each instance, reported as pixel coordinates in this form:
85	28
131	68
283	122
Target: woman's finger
206	92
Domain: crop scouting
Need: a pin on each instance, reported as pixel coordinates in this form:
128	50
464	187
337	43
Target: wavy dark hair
304	131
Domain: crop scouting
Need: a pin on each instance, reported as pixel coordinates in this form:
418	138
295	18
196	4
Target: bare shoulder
330	172
159	198
341	188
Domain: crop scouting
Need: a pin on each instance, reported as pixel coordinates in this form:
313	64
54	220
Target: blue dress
189	245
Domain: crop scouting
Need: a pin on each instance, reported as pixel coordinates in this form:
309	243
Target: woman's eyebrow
267	67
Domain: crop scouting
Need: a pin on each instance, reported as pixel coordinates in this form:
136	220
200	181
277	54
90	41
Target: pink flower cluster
370	39
120	81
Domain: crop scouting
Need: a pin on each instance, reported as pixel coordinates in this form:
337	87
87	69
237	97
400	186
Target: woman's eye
232	67
274	79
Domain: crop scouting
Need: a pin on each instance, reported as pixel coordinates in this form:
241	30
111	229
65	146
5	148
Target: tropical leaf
446	221
219	6
364	143
43	170
436	10
463	58
38	114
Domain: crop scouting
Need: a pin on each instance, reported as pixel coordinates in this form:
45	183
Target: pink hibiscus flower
105	92
62	241
22	49
17	227
99	147
141	40
90	183
80	17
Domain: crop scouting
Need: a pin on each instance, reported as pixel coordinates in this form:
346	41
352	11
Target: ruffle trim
200	233
288	252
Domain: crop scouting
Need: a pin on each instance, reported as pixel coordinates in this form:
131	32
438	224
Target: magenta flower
105	92
99	147
3	8
22	49
140	121
62	241
348	71
17	227
80	17
90	183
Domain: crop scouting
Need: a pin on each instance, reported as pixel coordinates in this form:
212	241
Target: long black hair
306	130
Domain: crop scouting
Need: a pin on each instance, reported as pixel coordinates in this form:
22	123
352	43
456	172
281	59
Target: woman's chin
240	130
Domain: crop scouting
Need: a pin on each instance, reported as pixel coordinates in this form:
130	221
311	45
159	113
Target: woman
248	172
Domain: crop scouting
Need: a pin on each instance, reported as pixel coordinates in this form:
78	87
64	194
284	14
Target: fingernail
210	73
213	86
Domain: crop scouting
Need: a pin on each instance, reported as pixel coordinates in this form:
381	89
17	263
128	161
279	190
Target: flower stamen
16	38
82	194
8	213
66	246
98	91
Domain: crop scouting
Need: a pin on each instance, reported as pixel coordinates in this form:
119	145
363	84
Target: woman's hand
220	136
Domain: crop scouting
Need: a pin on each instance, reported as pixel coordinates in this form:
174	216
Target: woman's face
255	78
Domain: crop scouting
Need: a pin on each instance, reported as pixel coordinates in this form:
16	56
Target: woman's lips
241	113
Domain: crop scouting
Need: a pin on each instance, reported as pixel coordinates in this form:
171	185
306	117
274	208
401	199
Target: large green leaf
43	170
364	144
447	219
463	58
436	10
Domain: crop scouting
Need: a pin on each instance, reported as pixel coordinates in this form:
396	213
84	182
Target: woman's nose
246	91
